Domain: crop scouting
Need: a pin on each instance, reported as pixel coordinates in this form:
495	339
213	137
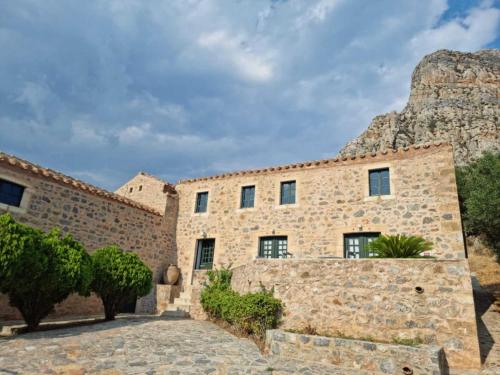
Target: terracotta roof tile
67	180
314	163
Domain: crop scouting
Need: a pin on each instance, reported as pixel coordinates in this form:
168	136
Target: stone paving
144	346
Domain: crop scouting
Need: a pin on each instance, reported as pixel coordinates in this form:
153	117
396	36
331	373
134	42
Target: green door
356	245
273	247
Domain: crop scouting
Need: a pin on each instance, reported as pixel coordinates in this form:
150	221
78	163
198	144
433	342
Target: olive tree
479	193
40	269
118	277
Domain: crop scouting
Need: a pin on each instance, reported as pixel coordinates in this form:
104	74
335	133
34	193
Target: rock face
454	98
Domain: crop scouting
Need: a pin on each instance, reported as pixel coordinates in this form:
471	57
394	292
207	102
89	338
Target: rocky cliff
454	97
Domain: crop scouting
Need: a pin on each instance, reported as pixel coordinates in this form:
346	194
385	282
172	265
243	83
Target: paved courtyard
143	346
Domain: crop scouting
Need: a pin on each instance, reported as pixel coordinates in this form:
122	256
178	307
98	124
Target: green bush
119	277
479	194
39	270
250	313
399	246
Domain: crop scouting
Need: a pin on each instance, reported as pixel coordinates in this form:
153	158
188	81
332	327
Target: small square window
11	193
287	195
247	196
379	180
201	202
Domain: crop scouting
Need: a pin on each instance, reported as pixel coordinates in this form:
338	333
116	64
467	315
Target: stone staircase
180	307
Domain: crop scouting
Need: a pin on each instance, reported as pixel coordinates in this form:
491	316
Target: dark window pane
379	180
205	254
201	202
247	196
273	247
287	195
11	193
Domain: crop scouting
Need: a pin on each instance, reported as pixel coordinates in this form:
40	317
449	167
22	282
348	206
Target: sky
101	90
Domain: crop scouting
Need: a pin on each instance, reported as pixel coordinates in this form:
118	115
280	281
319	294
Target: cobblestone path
144	346
159	346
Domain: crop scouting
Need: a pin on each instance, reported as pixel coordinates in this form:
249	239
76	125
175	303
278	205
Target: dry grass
483	262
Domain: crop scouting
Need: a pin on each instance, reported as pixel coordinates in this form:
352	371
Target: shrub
40	269
479	194
118	277
399	246
250	313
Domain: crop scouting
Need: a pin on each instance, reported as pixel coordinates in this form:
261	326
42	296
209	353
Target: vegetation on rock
250	313
39	270
479	194
399	246
119	277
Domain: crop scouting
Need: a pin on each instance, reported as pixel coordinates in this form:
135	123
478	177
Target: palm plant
399	246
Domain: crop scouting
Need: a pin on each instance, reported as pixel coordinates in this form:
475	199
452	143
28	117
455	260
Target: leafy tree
479	194
399	246
40	269
118	277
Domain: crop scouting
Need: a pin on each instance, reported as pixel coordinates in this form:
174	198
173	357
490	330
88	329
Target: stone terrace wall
95	221
375	298
332	200
374	357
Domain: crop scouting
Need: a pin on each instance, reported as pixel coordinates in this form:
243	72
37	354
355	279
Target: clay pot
171	274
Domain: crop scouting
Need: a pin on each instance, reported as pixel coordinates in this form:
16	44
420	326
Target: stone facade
352	297
95	217
377	358
332	200
150	191
426	299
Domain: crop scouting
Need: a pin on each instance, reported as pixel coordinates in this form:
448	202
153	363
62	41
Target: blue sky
103	89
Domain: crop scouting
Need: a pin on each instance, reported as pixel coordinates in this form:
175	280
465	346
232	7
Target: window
287	195
247	196
356	245
131	190
11	193
201	202
140	187
273	247
205	254
379	182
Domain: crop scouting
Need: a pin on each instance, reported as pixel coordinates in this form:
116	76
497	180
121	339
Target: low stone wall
359	355
165	295
382	299
196	310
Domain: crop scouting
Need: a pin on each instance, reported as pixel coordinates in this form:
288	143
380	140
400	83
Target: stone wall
95	220
377	358
148	190
332	200
374	298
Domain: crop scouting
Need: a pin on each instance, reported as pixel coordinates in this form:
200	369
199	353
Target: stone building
44	199
301	229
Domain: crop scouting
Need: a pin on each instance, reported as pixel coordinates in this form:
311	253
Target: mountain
454	97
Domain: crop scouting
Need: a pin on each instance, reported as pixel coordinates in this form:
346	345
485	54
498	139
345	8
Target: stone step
182	301
175	314
178	307
185	295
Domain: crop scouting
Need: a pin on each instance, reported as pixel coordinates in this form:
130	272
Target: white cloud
317	12
183	88
478	28
236	53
